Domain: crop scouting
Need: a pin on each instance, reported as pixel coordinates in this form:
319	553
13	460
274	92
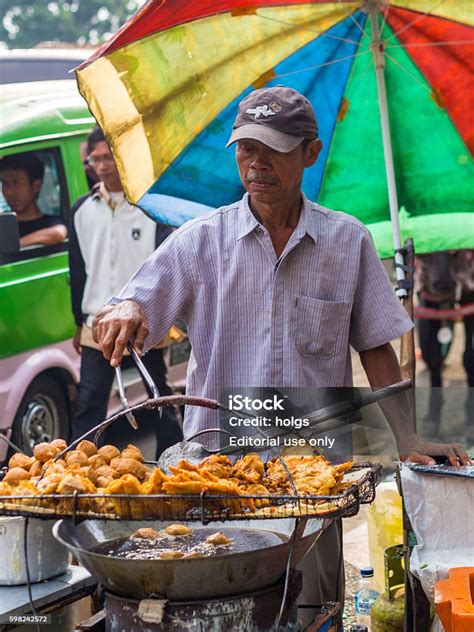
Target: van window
53	197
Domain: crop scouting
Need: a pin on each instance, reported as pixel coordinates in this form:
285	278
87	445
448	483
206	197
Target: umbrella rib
420	17
354	86
327	63
421	44
305	28
397	63
364	34
384	20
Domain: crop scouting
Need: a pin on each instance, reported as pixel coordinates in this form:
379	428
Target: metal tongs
146	376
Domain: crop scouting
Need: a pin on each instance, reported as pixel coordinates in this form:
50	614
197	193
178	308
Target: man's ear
36	186
312	152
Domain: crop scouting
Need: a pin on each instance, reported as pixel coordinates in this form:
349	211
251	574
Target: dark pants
323	572
431	351
97	377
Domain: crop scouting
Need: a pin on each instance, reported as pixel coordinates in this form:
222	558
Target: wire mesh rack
204	507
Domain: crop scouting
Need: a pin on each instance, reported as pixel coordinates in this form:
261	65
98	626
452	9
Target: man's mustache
260	180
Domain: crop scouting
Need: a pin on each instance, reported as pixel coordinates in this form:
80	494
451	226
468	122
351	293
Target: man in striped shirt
274	288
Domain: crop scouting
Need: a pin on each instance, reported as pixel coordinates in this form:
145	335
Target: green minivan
39	369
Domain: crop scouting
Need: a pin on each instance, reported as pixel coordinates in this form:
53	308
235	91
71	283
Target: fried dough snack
154	485
177	529
74	483
127	484
76	457
250	469
312	475
132	466
103	481
87	447
218	539
132	452
146	533
59	443
15	475
44	452
96	461
217	464
49	484
108	452
107	472
21	460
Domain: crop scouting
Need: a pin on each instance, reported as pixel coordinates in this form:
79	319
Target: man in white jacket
109	240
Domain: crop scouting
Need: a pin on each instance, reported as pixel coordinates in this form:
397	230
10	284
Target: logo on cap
264	110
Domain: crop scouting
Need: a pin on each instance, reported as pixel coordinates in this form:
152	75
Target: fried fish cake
106	470
60	444
218	539
21	460
87	447
146	533
44	452
132	466
177	529
15	475
108	452
96	461
76	457
132	452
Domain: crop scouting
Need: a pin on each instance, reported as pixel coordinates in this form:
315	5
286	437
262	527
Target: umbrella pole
416	603
378	53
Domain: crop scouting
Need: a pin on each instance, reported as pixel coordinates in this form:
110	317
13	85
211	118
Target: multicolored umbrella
392	84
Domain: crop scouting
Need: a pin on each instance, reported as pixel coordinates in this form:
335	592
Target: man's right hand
115	325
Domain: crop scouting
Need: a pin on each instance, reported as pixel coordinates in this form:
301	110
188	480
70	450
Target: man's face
104	166
269	175
18	191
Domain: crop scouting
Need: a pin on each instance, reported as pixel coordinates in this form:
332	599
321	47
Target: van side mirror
9	233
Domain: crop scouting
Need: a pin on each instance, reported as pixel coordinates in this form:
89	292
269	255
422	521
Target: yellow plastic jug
385	526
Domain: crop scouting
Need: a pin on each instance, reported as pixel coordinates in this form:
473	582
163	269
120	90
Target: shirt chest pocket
322	327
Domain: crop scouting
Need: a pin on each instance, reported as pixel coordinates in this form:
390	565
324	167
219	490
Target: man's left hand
419	451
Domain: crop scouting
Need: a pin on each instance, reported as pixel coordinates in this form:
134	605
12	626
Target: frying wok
196	578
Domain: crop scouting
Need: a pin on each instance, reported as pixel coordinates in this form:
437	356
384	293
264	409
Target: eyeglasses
96	160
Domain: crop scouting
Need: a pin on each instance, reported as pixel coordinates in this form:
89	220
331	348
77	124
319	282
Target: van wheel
42	415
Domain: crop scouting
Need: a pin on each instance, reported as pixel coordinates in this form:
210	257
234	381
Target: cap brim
279	141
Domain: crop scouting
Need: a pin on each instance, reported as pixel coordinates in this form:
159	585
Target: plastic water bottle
366	593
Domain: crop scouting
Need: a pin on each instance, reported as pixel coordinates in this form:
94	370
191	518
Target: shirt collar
100	192
247	220
306	223
308	219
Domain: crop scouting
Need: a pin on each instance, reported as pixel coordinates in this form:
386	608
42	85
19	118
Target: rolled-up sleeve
377	315
163	287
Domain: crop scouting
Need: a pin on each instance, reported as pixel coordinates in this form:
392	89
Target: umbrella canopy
165	90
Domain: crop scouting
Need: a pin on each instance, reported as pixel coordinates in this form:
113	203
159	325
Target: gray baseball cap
279	117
